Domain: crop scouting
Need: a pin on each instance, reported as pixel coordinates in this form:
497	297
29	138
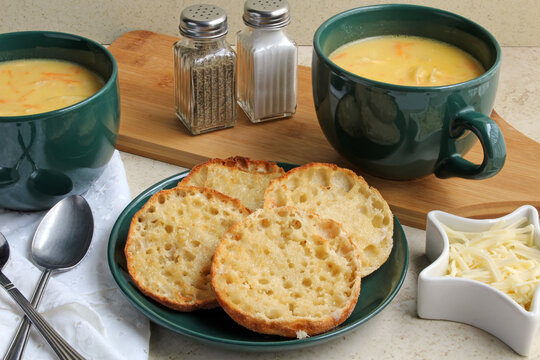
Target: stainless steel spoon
62	349
58	344
60	243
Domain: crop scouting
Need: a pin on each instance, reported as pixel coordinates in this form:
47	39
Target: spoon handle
18	343
62	349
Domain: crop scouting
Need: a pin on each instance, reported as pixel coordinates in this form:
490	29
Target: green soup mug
407	132
46	157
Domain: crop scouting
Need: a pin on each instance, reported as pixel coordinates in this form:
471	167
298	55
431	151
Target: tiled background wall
512	22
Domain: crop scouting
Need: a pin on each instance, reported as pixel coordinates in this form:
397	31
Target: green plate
215	327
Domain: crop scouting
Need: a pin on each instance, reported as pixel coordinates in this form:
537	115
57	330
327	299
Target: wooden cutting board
150	128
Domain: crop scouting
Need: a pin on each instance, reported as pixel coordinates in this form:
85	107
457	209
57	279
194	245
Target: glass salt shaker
267	62
204	71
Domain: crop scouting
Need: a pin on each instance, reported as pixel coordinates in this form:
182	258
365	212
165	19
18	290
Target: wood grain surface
149	128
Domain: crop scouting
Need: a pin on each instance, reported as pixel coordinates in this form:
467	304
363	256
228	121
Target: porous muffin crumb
171	241
288	272
238	177
339	194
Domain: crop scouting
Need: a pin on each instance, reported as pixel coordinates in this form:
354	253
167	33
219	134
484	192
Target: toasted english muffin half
288	272
339	194
238	177
171	241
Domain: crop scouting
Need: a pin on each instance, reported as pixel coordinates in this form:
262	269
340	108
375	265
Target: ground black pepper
205	72
212	89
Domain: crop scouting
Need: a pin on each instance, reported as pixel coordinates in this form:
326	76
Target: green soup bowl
48	156
406	132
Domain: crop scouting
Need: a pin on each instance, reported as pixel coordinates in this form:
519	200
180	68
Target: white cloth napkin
83	304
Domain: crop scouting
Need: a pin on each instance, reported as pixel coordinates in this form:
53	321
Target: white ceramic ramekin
469	301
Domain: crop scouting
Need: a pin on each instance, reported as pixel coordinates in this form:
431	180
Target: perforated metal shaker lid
266	13
203	21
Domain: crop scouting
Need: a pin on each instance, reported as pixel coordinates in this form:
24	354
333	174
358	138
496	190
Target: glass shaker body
204	74
267	73
204	71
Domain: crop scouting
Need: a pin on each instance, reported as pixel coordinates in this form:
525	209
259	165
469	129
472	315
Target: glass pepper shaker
267	62
204	71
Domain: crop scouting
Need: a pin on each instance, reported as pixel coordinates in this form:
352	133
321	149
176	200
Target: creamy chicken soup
32	86
407	60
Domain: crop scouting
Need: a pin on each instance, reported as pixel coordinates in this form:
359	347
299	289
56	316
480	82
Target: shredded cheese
505	257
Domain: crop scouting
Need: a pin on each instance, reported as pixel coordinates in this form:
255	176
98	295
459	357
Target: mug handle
493	145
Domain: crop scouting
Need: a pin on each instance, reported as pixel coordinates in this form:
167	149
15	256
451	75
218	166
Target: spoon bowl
64	235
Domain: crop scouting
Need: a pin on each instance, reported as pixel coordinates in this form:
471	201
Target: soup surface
39	85
407	60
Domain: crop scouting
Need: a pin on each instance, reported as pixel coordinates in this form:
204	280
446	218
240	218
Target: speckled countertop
396	332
